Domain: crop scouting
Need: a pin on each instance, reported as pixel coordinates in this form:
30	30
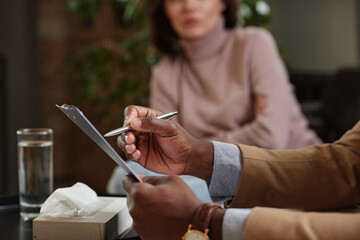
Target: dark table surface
12	227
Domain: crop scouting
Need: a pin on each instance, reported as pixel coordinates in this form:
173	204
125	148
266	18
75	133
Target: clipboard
82	122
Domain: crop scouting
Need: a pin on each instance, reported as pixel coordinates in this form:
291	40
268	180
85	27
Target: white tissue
76	201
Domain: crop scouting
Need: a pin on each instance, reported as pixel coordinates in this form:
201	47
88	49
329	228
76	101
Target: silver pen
166	116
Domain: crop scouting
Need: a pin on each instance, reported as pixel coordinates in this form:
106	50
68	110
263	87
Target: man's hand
161	207
163	146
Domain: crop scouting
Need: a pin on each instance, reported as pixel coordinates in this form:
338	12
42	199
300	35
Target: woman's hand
260	104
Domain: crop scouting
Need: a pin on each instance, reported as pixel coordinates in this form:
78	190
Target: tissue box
108	223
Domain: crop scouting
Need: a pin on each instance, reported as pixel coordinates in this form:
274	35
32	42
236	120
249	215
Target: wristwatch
199	228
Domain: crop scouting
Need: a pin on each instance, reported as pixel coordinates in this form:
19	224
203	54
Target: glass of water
35	155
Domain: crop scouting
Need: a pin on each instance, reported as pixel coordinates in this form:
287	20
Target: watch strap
203	216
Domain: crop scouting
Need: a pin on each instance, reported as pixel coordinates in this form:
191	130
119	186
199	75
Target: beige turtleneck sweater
214	83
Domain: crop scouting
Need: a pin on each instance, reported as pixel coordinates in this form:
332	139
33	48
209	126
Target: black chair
341	104
309	88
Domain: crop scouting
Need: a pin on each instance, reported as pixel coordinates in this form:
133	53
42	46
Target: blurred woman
228	83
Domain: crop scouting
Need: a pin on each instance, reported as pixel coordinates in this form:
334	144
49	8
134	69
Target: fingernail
127	148
126	138
136	123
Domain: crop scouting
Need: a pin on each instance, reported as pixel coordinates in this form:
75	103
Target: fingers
129	137
130	150
154	180
128	183
135	156
141	176
158	180
132	112
126	142
133	187
154	125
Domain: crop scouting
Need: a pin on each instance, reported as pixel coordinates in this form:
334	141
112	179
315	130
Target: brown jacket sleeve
315	178
270	224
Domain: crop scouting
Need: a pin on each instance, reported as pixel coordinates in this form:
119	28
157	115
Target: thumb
154	125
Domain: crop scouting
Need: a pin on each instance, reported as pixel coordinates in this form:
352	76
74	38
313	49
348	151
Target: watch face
195	235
